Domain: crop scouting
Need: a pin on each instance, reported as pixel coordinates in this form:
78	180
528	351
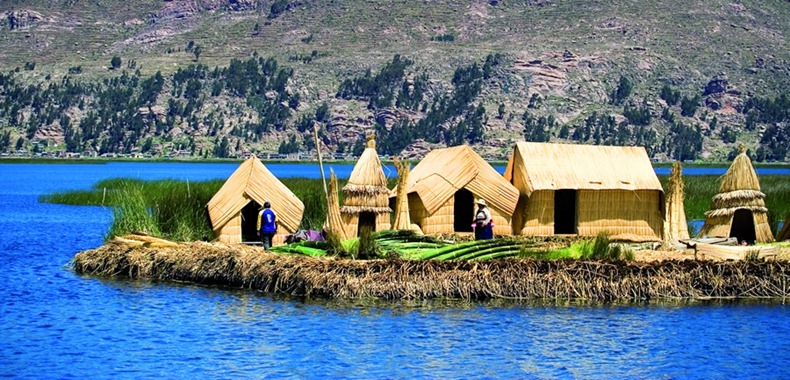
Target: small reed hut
585	190
738	210
366	201
234	208
784	234
444	187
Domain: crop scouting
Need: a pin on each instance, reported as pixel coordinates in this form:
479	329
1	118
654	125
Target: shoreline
247	267
102	160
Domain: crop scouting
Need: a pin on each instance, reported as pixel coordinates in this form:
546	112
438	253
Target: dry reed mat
253	268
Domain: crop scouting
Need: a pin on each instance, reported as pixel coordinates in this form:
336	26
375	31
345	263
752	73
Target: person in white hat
483	225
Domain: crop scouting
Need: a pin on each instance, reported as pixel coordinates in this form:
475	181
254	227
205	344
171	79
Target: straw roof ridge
731	210
366	189
551	166
361	209
738	195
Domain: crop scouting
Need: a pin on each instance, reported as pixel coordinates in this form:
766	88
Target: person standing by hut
267	224
483	225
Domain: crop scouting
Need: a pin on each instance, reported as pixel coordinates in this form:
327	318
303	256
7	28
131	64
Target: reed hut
234	208
738	210
584	190
675	226
444	187
784	234
366	201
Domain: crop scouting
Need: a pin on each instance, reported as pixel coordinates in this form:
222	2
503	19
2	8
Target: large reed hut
234	208
366	201
738	210
444	187
584	190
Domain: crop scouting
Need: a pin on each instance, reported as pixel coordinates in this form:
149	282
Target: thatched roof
444	171
545	166
368	176
739	189
252	181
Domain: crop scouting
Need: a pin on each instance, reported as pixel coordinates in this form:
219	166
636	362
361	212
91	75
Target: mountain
686	79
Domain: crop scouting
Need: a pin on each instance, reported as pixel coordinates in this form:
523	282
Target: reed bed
523	279
699	192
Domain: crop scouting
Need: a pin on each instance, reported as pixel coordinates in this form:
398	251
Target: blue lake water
56	324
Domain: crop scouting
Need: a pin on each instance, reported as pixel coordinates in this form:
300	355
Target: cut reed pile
253	268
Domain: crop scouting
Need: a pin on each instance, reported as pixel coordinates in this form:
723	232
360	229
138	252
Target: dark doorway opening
565	212
249	222
743	226
463	211
367	220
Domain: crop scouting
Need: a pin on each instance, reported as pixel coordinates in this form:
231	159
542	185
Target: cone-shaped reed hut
234	208
444	187
738	210
366	201
584	190
675	226
784	234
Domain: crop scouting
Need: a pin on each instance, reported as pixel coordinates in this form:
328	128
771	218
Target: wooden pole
320	162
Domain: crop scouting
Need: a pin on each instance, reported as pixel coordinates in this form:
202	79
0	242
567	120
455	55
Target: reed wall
443	220
620	212
634	215
720	225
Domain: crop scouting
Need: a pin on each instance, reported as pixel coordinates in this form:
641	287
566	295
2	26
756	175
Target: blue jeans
266	239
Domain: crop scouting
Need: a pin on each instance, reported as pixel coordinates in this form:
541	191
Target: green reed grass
699	192
178	207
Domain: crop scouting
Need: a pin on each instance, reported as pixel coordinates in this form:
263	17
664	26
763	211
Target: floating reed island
555	210
249	267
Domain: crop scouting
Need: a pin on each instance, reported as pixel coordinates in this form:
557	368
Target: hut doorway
742	226
249	222
565	212
367	220
463	211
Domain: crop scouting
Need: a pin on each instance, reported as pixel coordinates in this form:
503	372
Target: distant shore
104	160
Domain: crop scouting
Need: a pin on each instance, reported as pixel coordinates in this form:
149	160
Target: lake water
56	324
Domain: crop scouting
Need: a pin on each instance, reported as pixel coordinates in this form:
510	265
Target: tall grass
178	208
699	192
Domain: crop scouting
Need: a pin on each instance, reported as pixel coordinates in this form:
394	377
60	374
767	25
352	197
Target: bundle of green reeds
297	275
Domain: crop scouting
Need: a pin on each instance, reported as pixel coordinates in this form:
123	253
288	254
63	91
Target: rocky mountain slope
686	79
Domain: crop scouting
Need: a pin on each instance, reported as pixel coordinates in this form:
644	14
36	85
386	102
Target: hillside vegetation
688	80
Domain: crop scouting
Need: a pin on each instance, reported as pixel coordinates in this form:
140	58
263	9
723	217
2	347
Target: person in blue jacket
267	224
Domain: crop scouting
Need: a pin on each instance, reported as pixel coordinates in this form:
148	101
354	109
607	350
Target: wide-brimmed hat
481	202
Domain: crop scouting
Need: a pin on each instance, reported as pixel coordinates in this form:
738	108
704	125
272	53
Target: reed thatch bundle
253	268
675	226
739	190
334	221
402	219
